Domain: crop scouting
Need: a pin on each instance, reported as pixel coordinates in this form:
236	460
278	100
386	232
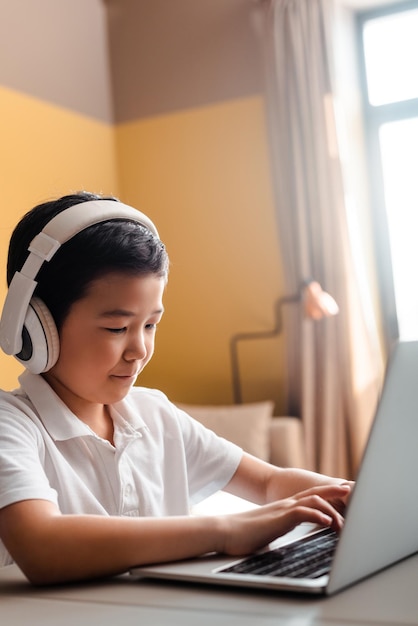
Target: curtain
334	366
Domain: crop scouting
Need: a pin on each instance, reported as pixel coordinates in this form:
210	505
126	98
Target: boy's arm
260	482
50	547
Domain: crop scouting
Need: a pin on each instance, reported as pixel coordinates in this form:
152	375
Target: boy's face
106	340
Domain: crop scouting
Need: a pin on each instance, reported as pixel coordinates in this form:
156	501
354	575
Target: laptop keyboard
309	557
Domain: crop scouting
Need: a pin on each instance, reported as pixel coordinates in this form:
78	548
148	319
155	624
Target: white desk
389	598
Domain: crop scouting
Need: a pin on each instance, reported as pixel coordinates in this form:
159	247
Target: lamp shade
317	303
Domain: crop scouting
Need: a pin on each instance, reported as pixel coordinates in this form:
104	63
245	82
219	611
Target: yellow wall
203	176
45	151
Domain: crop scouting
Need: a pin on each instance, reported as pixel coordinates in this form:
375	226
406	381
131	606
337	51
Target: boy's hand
340	503
244	533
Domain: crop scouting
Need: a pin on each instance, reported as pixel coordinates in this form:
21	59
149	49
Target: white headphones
27	329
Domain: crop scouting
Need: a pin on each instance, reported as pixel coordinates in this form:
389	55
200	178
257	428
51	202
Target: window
390	55
389	43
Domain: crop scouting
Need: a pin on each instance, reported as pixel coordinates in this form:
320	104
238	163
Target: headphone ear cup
40	348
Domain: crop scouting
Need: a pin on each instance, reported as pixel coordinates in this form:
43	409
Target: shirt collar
60	422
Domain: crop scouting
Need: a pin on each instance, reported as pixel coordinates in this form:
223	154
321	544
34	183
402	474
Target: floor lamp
317	304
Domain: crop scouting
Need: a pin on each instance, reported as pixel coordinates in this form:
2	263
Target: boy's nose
137	349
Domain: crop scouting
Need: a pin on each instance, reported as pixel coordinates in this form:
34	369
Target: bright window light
391	54
399	153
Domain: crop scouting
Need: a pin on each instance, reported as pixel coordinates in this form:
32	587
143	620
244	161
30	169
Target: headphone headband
42	248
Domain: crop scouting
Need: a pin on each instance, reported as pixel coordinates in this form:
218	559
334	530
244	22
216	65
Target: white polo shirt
162	461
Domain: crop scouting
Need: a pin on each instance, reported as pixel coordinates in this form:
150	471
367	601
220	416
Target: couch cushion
246	425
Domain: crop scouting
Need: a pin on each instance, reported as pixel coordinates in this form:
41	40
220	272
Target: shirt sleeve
211	460
21	451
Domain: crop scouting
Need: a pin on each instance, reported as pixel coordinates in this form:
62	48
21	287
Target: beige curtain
334	366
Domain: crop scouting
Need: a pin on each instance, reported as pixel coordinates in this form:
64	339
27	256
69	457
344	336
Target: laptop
381	524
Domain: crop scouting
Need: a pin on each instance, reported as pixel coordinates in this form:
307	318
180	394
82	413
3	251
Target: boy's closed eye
151	326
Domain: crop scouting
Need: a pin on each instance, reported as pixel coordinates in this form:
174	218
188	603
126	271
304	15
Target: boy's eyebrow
125	313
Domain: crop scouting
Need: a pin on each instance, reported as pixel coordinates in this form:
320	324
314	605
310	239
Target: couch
253	427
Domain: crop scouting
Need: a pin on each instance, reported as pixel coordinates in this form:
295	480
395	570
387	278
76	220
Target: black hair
110	246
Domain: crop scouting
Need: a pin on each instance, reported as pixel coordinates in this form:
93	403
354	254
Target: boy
97	475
